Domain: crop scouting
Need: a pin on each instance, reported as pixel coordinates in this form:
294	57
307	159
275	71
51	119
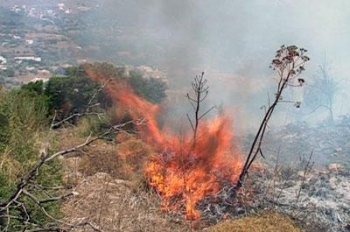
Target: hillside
174	115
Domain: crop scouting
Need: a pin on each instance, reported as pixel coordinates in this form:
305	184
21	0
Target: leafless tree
321	93
200	92
289	64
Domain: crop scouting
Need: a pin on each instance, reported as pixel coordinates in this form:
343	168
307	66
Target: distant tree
8	72
72	94
37	87
75	71
152	89
322	92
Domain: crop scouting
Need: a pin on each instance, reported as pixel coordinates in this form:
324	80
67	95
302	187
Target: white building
61	6
29	41
28	58
3	63
3	60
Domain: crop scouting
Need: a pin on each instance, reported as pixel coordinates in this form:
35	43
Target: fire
185	171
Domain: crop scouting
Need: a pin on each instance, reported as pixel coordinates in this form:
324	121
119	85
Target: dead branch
76	115
306	171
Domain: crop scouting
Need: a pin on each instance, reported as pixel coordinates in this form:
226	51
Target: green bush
36	87
73	94
23	120
24	115
93	125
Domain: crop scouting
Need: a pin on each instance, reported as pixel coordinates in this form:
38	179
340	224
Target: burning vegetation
188	168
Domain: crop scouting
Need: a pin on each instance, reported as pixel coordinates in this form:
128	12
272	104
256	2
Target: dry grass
123	159
133	155
9	166
108	178
98	157
267	222
112	205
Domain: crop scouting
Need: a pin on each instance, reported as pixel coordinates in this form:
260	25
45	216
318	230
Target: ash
318	200
306	175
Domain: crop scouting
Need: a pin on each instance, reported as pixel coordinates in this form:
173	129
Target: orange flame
185	171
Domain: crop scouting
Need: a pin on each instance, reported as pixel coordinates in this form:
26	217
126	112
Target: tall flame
185	171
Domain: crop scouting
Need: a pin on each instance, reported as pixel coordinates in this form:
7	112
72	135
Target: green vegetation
25	130
23	122
72	94
151	89
76	93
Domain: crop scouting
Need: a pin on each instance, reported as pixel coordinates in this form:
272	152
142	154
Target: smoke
232	41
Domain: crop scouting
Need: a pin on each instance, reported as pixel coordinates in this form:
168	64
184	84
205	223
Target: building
28	58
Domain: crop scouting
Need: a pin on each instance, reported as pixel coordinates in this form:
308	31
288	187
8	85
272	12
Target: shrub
268	221
36	87
72	94
23	121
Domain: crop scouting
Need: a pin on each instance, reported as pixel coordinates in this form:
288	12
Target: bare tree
322	92
289	64
200	93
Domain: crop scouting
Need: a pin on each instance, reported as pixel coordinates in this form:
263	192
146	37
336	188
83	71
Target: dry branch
200	93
